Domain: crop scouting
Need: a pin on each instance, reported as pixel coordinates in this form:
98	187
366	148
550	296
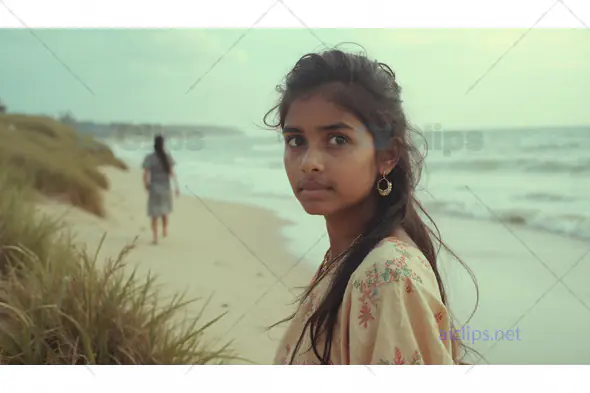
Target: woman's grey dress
160	191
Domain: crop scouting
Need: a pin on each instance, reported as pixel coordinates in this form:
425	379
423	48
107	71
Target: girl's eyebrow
329	127
291	129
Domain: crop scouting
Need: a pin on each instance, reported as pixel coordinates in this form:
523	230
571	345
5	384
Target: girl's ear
388	158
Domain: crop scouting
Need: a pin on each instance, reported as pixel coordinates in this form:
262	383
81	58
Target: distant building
2	107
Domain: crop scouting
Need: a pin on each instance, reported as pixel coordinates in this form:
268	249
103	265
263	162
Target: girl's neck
344	227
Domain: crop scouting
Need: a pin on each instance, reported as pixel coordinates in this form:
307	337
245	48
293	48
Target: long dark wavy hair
161	153
369	90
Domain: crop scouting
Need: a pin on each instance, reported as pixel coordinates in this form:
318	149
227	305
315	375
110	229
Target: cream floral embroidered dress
391	313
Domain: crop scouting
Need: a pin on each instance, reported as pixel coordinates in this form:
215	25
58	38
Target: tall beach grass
59	304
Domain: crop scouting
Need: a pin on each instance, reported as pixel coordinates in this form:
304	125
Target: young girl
158	170
377	298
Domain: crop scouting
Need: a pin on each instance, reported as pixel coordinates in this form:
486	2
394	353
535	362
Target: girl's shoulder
394	261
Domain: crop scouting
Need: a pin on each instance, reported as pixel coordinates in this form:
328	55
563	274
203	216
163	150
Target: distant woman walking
158	169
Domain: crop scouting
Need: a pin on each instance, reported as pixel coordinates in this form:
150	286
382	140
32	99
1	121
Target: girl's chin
317	208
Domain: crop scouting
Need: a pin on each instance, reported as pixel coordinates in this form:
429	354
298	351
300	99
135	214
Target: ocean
534	177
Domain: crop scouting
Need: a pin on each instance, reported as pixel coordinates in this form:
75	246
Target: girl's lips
313	185
316	193
313	189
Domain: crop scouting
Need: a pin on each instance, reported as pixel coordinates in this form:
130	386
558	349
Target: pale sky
143	75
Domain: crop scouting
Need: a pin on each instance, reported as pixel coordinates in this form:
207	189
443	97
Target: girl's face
329	156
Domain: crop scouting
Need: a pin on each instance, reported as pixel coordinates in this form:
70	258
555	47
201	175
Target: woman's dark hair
369	90
162	156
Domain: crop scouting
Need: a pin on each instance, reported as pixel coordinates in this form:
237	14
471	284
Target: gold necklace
326	265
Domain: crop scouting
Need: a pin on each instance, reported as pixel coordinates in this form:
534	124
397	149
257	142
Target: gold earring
387	190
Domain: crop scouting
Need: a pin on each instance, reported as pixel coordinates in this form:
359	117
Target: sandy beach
236	253
231	252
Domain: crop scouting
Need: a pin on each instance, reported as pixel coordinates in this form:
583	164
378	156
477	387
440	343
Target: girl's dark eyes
339	140
293	140
296	140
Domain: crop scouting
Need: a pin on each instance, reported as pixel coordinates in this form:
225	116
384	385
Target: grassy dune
59	162
59	305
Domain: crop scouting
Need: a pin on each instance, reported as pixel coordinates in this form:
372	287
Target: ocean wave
530	165
546	197
550	147
571	225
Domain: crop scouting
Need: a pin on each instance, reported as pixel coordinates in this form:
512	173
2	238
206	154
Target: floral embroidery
438	316
417	359
394	270
409	287
401	245
365	315
424	262
399	266
403	249
399	359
